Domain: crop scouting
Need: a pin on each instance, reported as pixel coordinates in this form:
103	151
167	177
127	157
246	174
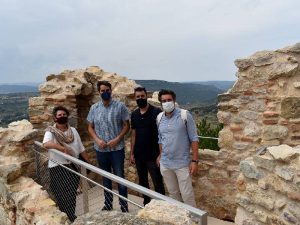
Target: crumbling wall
22	201
269	187
261	109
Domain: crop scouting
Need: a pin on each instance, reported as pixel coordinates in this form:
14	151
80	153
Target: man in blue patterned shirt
108	123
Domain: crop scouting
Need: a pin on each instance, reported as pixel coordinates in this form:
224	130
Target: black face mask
62	120
141	102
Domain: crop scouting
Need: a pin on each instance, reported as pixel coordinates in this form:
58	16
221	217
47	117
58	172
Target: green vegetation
206	129
14	106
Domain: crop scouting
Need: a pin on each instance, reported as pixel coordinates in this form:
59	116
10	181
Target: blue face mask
106	96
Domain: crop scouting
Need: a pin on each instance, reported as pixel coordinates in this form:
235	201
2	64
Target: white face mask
168	106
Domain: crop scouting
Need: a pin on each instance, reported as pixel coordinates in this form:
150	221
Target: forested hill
17	88
187	93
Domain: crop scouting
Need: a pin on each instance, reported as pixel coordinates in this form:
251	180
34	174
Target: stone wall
269	188
261	109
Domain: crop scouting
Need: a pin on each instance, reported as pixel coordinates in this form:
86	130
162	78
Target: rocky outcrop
22	201
269	188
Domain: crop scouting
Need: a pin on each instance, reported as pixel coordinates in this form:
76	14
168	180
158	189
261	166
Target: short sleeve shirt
108	122
146	140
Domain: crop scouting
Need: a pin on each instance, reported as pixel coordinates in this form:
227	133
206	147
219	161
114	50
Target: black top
146	139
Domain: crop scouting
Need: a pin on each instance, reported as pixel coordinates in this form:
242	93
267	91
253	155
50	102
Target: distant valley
199	97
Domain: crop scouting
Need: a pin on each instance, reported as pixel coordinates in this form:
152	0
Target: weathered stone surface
294	208
224	117
252	129
225	138
264	161
240	145
290	49
250	115
285	172
260	197
290	108
274	132
283	152
258	105
249	169
243	64
114	218
165	213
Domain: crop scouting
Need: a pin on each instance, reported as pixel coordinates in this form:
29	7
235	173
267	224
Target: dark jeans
64	184
113	162
143	167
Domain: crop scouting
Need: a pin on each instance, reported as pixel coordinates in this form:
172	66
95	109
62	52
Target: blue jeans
113	162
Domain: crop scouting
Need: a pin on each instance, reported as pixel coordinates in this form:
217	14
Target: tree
206	130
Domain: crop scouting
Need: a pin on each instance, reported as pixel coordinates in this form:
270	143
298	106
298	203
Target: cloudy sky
173	40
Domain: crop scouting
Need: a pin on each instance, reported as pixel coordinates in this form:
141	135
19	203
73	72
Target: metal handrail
131	185
208	137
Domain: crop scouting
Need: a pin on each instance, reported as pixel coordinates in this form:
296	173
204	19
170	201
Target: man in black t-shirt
144	142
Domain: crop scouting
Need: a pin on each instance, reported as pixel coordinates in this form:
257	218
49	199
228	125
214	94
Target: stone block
290	108
283	152
274	132
243	64
249	169
270	114
218	173
228	107
264	161
240	145
252	129
294	208
285	173
261	215
260	197
224	117
259	105
270	122
250	115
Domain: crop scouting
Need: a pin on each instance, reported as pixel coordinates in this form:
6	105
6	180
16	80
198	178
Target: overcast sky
173	40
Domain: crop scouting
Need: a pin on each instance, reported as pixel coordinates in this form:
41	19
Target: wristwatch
195	161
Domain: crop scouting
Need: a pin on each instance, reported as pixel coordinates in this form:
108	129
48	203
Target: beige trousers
179	184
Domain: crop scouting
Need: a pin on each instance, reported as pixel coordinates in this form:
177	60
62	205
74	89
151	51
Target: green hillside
187	93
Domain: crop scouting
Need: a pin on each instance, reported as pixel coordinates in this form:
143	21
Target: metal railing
84	189
214	138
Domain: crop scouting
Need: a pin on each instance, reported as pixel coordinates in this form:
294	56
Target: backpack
183	114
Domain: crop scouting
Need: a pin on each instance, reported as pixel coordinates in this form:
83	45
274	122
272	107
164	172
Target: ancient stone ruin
253	179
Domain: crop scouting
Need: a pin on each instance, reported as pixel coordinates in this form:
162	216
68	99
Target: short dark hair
58	108
140	89
103	82
166	92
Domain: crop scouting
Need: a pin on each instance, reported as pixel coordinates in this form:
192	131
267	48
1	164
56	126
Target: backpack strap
183	114
158	118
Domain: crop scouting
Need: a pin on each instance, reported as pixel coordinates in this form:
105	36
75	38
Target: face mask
168	106
105	96
62	120
141	102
